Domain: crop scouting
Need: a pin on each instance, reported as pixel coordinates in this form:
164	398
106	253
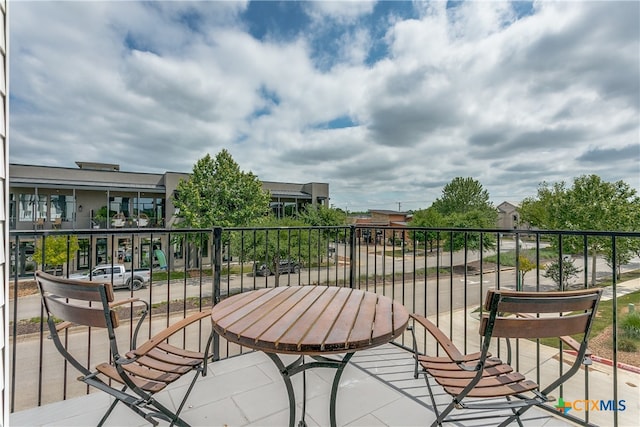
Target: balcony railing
440	273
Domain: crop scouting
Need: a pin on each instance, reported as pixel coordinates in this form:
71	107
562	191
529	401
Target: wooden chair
118	220
141	372
142	220
509	314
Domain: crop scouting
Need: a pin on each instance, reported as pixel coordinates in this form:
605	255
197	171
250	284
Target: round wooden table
309	320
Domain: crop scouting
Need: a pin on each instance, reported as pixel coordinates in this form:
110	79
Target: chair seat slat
489	381
160	365
145	384
487	372
444	359
497	391
152	374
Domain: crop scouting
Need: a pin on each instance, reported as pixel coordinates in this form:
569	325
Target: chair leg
415	352
106	414
515	414
439	417
133	407
184	399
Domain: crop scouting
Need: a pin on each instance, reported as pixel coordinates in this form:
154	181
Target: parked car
122	278
285	266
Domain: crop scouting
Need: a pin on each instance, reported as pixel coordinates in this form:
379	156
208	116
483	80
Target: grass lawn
508	259
604	318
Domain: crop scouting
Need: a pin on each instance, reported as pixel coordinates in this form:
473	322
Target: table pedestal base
299	365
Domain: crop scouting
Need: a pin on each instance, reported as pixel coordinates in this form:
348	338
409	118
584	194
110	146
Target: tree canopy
318	216
56	249
463	195
218	193
590	204
464	204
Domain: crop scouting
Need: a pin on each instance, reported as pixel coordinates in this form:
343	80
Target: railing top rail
133	230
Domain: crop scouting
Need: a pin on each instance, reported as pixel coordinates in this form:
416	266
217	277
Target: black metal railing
440	273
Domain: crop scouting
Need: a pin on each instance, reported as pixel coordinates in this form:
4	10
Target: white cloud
480	90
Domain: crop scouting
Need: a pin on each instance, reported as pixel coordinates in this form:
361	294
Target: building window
119	205
31	207
82	260
63	207
153	208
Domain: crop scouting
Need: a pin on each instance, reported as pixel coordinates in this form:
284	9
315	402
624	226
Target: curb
609	362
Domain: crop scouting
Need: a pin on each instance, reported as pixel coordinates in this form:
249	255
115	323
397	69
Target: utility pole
399	205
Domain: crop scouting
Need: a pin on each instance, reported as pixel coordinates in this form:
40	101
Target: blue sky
385	101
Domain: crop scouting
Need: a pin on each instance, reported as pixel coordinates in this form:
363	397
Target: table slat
400	317
383	326
257	323
290	340
324	322
286	323
363	328
230	305
266	299
339	334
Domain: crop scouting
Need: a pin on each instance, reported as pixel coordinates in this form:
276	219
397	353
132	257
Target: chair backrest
77	301
514	314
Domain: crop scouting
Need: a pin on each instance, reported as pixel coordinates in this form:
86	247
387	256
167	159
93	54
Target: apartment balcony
377	389
427	275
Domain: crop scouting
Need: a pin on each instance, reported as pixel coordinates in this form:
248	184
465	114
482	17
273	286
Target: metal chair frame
143	371
510	315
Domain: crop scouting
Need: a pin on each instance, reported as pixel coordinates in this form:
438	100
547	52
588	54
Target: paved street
449	291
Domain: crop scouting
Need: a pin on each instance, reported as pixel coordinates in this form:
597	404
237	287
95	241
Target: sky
385	101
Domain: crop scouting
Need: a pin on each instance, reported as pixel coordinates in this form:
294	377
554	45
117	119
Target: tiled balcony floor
377	389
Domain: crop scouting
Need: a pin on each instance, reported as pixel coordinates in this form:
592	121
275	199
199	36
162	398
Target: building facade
100	195
508	215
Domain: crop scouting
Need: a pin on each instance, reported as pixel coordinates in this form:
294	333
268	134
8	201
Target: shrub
625	344
630	325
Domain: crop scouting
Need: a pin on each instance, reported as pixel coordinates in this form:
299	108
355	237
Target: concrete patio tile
262	402
404	412
235	363
368	420
281	419
213	388
223	412
376	389
356	398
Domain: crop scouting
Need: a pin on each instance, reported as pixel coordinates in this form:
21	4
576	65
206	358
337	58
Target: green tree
545	210
56	249
218	193
525	265
589	205
278	239
465	204
322	216
463	195
561	278
428	218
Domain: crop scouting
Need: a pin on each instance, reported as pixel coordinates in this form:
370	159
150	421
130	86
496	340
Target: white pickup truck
122	278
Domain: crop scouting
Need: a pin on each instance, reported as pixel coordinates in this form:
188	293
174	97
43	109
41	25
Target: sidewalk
622	288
